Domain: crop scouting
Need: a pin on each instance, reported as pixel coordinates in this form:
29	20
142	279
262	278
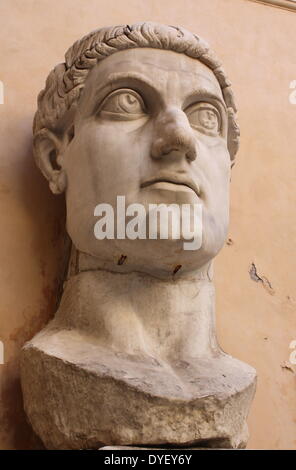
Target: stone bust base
79	395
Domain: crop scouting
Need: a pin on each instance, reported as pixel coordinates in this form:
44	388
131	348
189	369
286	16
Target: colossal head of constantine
145	112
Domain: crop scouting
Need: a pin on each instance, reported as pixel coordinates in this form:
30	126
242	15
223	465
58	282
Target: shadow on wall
36	282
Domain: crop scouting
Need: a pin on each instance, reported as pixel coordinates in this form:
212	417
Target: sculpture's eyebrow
118	76
205	93
200	92
119	79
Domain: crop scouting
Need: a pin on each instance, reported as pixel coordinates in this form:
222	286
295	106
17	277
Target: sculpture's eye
124	103
204	117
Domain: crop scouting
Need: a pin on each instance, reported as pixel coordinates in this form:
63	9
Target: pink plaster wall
256	322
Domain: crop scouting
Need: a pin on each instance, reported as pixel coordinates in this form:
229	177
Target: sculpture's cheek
110	151
212	165
212	170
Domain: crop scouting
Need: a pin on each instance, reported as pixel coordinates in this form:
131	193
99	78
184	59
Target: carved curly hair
66	81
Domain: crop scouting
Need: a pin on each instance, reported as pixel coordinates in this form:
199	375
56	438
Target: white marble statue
143	115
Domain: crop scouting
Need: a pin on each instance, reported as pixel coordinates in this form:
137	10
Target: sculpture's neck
135	313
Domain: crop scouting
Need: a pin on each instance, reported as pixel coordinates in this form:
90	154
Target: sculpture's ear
48	154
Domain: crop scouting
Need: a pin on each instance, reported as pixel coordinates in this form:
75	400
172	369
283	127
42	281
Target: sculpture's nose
173	133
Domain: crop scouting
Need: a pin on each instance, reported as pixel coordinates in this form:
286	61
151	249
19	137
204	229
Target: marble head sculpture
144	112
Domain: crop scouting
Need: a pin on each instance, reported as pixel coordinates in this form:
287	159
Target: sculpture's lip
174	179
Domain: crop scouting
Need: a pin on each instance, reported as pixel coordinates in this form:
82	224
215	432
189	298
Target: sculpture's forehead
164	69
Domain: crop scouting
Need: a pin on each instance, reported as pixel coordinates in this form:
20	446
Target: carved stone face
151	125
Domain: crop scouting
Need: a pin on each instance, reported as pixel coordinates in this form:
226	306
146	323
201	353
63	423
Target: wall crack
262	279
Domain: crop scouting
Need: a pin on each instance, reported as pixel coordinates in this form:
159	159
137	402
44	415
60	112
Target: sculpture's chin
161	258
187	246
